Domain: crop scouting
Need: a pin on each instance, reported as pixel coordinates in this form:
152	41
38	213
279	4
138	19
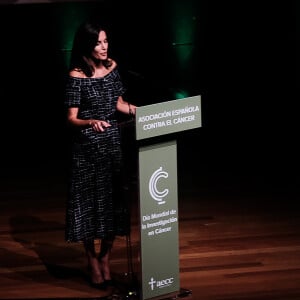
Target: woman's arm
126	107
97	125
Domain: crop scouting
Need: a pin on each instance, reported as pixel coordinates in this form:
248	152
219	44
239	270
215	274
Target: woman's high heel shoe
99	285
109	282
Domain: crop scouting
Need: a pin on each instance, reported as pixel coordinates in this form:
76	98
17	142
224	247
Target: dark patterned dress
94	206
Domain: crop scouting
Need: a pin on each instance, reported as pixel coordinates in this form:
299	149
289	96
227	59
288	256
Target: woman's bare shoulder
77	73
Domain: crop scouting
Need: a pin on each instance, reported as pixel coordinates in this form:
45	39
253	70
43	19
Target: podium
158	193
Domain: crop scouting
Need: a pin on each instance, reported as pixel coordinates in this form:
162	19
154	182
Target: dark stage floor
239	234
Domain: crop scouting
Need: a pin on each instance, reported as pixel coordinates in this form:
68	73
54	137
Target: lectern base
181	294
132	294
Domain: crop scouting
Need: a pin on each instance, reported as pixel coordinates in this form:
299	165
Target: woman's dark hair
85	40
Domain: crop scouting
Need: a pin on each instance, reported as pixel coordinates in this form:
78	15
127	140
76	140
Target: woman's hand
98	125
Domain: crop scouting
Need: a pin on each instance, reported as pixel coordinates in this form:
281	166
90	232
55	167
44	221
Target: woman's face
100	50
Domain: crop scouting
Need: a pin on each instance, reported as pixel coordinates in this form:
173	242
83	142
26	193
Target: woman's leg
106	246
96	274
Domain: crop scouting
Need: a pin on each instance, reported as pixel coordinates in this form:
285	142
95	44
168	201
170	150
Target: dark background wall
243	65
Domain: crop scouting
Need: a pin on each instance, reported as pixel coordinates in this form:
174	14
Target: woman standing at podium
93	95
